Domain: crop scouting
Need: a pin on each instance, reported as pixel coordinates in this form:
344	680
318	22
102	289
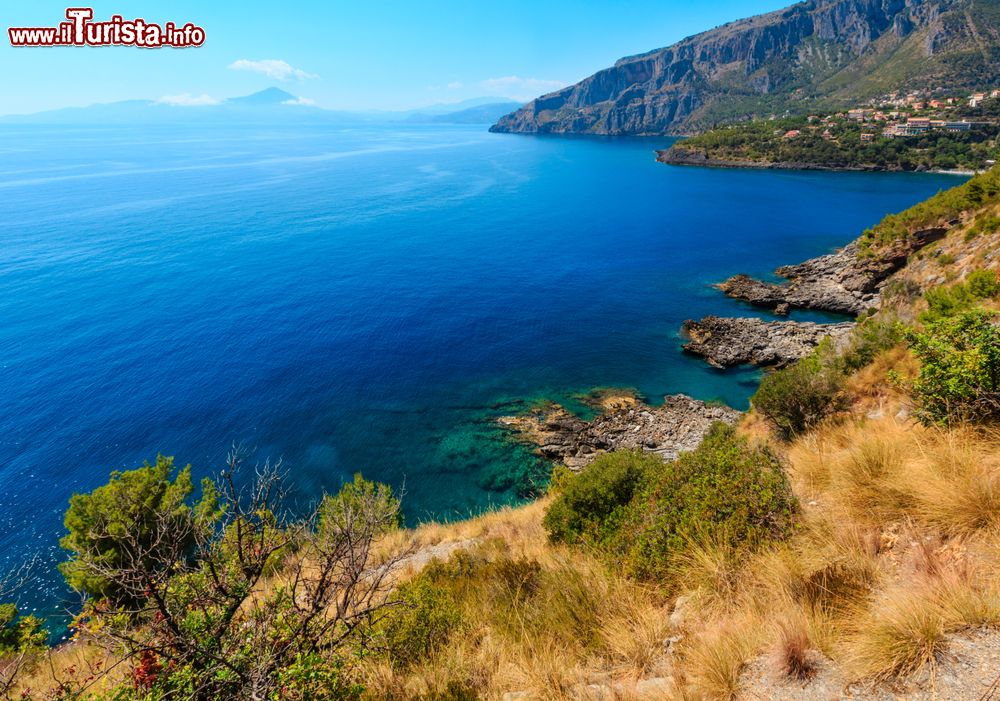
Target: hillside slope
819	52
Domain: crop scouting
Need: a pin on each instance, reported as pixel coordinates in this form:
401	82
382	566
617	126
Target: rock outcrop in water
831	52
726	342
847	281
678	425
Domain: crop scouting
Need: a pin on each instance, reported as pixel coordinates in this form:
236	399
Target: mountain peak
270	96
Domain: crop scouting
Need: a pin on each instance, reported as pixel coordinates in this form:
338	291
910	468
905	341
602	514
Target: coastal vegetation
846	531
838	144
976	197
643	516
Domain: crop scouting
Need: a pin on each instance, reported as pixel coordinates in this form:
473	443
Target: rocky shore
678	425
726	342
846	281
679	156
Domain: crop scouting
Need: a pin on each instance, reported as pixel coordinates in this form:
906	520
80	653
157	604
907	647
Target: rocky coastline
676	426
727	342
847	281
677	156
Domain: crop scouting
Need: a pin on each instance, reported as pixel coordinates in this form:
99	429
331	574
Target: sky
349	55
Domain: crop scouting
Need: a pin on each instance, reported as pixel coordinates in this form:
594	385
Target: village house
867	136
793	134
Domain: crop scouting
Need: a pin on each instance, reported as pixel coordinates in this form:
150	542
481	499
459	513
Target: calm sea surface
363	299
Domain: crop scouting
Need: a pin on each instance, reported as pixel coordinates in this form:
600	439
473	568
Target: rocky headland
726	342
677	425
848	281
680	156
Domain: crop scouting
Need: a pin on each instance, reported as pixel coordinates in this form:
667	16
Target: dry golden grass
710	574
869	387
955	481
903	632
897	548
74	663
794	649
633	638
881	471
714	660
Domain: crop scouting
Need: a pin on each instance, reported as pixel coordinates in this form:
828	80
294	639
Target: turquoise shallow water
358	298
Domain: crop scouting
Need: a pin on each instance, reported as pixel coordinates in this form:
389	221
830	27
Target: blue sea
359	299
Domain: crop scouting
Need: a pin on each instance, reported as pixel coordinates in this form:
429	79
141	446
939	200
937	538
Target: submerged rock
678	425
726	342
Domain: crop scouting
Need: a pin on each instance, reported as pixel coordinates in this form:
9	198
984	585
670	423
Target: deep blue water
358	299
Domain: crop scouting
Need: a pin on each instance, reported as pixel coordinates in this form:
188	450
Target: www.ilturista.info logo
81	30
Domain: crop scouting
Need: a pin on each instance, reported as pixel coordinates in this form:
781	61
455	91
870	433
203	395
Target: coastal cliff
828	52
848	281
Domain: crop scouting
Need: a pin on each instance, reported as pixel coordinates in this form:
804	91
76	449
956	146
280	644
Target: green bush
123	523
312	677
959	378
591	503
796	398
19	633
983	284
424	620
727	491
946	301
870	337
354	500
985	224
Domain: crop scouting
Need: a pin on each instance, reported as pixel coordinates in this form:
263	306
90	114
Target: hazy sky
358	55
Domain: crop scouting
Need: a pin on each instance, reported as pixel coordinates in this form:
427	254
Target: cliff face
834	50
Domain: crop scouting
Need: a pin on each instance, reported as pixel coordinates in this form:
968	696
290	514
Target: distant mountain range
812	55
480	114
266	106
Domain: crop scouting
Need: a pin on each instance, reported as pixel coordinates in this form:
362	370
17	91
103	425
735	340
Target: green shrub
312	677
983	284
123	523
985	224
959	378
19	633
354	499
424	621
870	337
945	301
727	491
796	398
591	503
